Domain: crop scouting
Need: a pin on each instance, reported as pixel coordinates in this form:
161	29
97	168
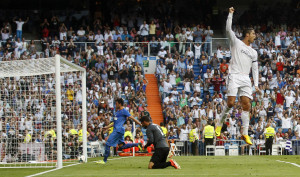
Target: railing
149	48
219	148
234	147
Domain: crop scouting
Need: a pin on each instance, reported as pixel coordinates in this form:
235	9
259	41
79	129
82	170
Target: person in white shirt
184	134
189	52
262	112
220	54
175	94
182	37
20	24
297	127
99	37
197	50
144	29
169	99
173	78
208	38
195	112
227	55
194	100
243	58
167	87
162	53
197	86
289	99
187	85
286	122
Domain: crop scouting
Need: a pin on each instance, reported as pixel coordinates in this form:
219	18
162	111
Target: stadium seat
94	149
174	150
262	149
276	149
233	150
220	151
210	149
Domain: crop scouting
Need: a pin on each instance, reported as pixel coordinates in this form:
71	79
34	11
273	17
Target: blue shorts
115	138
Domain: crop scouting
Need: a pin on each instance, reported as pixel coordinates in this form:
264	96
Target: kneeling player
157	138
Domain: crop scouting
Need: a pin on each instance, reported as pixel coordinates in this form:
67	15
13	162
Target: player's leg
245	116
227	107
113	140
232	90
130	145
225	112
158	160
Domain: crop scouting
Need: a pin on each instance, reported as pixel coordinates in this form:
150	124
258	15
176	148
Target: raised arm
26	20
229	31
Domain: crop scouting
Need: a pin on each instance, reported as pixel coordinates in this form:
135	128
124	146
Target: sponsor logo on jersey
246	52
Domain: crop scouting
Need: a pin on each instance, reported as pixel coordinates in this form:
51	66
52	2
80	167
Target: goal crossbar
36	67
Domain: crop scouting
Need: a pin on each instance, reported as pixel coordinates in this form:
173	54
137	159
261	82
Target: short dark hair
247	30
162	124
145	119
209	121
120	101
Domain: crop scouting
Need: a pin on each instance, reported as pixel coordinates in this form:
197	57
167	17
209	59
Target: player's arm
133	119
26	20
150	137
255	72
229	31
109	126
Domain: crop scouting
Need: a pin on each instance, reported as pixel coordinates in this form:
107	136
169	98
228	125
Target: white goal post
14	94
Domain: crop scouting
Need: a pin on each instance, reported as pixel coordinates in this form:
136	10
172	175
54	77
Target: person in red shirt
280	66
138	139
127	140
279	97
223	67
217	81
221	139
45	32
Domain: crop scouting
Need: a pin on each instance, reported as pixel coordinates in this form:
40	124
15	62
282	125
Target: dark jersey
156	136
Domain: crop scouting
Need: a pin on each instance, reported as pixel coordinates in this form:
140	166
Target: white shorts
239	84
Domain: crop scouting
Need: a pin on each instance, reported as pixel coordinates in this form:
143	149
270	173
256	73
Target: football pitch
191	166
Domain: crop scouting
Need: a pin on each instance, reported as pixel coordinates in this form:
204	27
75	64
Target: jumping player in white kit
238	82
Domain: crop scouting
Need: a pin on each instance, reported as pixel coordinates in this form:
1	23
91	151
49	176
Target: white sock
245	120
223	115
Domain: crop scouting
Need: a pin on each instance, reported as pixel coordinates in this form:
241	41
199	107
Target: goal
42	113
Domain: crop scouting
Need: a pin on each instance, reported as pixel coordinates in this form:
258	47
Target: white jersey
243	57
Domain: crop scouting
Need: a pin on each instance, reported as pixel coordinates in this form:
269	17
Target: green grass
191	166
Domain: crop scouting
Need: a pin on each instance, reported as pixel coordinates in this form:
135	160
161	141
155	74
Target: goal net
42	113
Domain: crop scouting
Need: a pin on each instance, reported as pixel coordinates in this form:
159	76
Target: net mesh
28	113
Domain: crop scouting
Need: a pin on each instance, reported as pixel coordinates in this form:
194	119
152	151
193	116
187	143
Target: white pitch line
289	163
51	170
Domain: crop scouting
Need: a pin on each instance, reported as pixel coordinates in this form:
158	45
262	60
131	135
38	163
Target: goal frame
73	68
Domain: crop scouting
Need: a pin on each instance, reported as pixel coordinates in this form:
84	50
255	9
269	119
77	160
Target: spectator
20	24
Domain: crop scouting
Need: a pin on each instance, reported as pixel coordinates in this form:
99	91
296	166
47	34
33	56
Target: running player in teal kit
116	138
